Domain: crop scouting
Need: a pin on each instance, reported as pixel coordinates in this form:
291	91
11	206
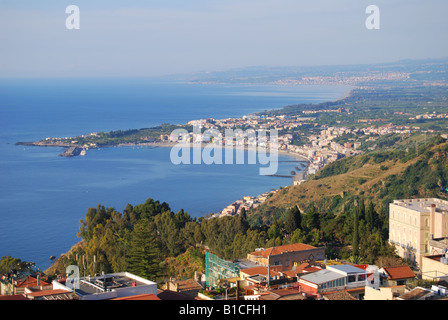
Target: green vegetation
112	138
379	105
10	265
152	241
345	205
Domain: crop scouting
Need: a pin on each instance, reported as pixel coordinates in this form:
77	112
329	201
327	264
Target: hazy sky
148	38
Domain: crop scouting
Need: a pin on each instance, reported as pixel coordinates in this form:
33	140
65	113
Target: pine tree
143	257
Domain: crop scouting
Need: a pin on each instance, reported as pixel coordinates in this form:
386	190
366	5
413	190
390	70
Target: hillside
402	171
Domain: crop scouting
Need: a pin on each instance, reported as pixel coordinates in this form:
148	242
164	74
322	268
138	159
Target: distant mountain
417	70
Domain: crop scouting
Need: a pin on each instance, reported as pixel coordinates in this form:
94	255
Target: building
147	296
413	223
335	278
17	286
384	293
417	293
287	255
58	294
397	275
187	287
217	269
438	245
109	286
278	294
435	268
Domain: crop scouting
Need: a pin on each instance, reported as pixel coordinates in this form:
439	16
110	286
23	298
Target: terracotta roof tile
42	293
12	297
139	297
282	249
30	282
259	270
399	272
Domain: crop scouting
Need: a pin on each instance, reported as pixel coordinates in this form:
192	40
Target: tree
168	232
9	264
293	219
355	241
244	224
274	230
371	216
143	259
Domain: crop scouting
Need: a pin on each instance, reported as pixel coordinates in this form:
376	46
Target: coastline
49	142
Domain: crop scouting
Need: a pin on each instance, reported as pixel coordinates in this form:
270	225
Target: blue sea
43	196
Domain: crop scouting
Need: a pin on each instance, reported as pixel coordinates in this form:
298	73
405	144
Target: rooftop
139	297
259	271
30	282
281	249
415	294
322	276
421	205
346	268
338	295
58	294
101	284
399	272
12	297
283	294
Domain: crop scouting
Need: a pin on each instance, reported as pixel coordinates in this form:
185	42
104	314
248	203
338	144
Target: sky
145	38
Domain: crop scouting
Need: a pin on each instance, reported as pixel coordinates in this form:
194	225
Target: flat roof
421	205
322	276
346	268
246	264
120	280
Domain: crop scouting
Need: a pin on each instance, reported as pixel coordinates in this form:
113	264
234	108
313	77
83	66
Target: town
298	271
319	150
417	227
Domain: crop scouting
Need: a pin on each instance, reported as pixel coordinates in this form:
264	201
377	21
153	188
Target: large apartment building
413	223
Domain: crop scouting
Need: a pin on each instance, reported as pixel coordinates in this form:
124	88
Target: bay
43	196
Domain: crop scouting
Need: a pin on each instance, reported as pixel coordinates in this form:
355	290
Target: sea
43	196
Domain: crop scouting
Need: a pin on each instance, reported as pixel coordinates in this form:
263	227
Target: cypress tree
293	219
355	241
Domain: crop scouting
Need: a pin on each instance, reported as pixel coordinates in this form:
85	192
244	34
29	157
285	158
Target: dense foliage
150	240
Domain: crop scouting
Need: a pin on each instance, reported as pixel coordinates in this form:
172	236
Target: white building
414	222
109	286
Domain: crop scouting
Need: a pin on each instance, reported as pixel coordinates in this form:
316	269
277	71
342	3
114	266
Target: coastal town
295	271
320	148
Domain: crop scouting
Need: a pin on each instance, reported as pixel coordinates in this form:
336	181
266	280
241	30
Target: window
351	279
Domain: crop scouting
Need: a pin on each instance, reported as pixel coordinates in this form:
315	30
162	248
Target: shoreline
166	144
